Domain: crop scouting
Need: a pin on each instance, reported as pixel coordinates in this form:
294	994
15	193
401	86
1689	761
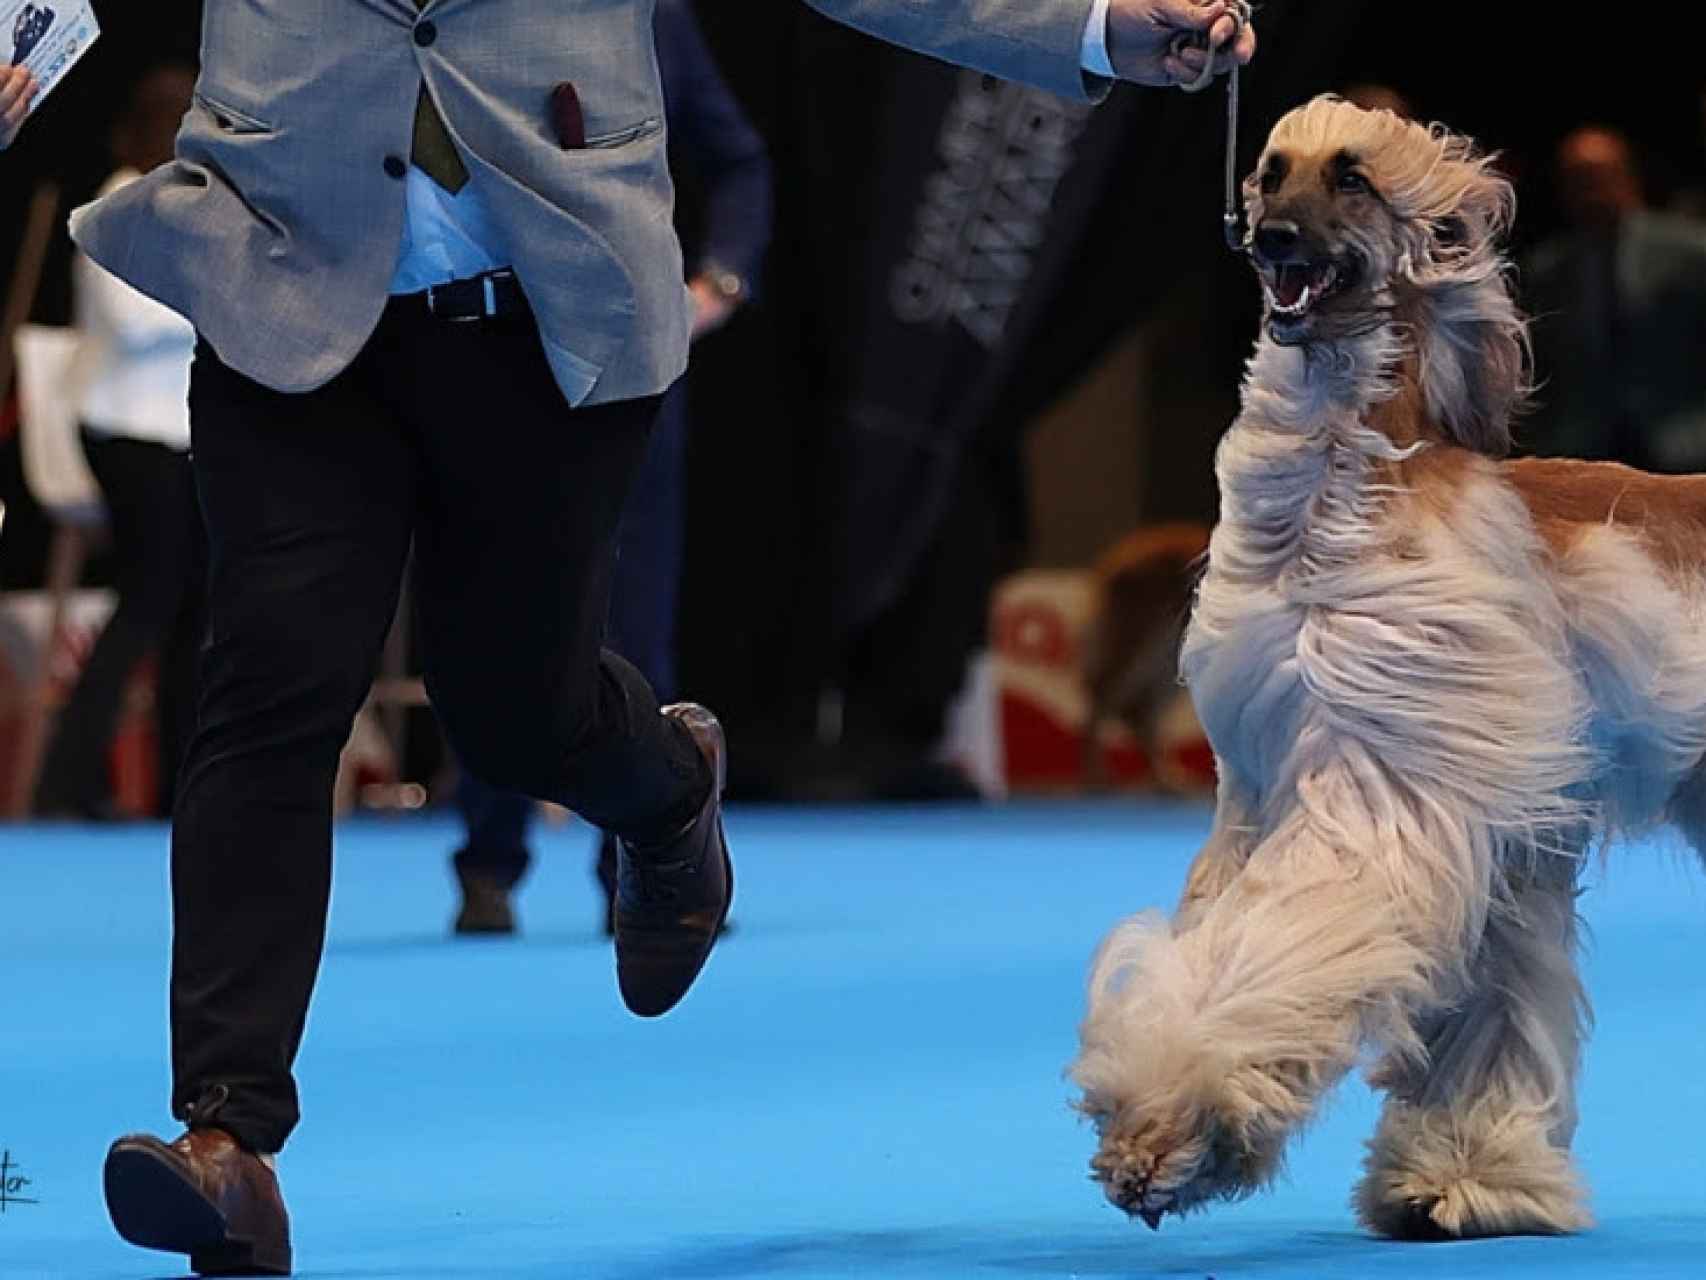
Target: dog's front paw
1155	1169
1151	1162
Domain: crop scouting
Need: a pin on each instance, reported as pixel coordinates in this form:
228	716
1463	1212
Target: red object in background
1124	763
1036	632
133	759
1043	751
1039	621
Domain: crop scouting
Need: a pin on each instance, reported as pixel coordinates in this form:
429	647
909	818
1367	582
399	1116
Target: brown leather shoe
672	900
202	1195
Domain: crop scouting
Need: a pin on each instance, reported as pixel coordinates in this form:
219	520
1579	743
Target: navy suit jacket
713	134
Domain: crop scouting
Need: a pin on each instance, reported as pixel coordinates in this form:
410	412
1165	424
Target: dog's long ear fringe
1475	362
1476	365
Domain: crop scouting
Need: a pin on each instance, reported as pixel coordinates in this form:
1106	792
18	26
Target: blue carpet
867	1083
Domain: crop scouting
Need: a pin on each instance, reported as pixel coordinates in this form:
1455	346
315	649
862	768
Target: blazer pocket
230	119
622	137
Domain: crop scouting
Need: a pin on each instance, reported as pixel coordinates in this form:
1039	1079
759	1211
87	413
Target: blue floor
867	1083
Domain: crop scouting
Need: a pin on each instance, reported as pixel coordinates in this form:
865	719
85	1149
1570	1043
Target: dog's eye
1353	183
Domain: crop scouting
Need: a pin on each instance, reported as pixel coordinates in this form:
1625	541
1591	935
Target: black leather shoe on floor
202	1195
485	906
672	899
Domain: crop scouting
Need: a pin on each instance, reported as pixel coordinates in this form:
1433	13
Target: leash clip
1231	220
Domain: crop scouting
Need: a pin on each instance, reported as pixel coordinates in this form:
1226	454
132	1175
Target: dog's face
1346	206
1317	225
1361	221
1322	237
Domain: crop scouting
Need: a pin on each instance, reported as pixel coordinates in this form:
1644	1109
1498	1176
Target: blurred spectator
1690	199
716	141
1619	302
133	387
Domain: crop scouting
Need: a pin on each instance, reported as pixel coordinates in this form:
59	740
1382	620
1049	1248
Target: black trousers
454	435
158	569
643	606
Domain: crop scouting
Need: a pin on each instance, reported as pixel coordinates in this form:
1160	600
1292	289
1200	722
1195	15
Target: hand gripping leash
1241	13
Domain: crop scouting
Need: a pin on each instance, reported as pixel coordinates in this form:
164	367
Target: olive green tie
434	152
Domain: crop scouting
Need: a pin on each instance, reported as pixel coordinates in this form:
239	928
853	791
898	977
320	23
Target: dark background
757	638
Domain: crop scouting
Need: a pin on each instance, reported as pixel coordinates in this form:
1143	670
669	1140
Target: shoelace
653	883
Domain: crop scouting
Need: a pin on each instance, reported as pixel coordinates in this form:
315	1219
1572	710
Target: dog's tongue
1289	284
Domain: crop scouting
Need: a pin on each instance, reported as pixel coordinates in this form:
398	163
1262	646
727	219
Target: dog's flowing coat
1433	680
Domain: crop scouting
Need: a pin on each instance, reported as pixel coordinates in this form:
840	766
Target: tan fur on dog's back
1567	499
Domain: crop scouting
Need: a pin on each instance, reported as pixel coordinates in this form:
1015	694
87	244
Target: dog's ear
1475	359
1485	208
1462	206
1451	233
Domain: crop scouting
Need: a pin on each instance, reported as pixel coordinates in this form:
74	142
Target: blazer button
425	33
396	166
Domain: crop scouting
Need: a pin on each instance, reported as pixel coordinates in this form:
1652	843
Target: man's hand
711	310
17	91
1141	35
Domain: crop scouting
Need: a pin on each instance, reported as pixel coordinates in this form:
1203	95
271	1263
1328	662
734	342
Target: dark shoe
485	905
672	899
606	873
203	1195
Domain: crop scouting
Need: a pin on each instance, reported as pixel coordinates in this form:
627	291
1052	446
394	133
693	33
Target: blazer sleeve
1034	42
718	141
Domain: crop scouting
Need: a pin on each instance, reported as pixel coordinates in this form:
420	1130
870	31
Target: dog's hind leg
1475	1136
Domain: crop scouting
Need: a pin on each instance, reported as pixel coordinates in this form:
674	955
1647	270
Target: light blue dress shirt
450	237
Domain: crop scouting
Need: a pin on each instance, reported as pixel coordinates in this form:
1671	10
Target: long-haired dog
1432	679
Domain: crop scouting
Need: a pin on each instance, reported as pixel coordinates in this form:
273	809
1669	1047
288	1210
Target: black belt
493	295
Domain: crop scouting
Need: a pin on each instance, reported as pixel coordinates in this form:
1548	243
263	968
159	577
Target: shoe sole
153	1206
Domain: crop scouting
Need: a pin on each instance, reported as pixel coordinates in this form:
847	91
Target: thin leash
1230	219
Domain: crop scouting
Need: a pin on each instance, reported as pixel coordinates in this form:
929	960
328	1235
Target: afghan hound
1433	681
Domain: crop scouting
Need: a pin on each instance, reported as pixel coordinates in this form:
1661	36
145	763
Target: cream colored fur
1423	718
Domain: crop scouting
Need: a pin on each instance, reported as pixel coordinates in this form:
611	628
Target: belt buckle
487	282
432	299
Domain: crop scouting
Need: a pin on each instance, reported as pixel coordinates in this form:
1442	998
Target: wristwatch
727	285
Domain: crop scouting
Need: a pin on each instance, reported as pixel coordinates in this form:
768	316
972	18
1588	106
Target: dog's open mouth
1295	288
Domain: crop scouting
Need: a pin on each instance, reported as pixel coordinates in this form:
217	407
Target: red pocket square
566	117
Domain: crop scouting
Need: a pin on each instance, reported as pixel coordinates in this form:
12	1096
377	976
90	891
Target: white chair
47	364
55	469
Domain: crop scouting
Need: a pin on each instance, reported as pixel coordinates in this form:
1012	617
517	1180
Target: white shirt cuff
1095	52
